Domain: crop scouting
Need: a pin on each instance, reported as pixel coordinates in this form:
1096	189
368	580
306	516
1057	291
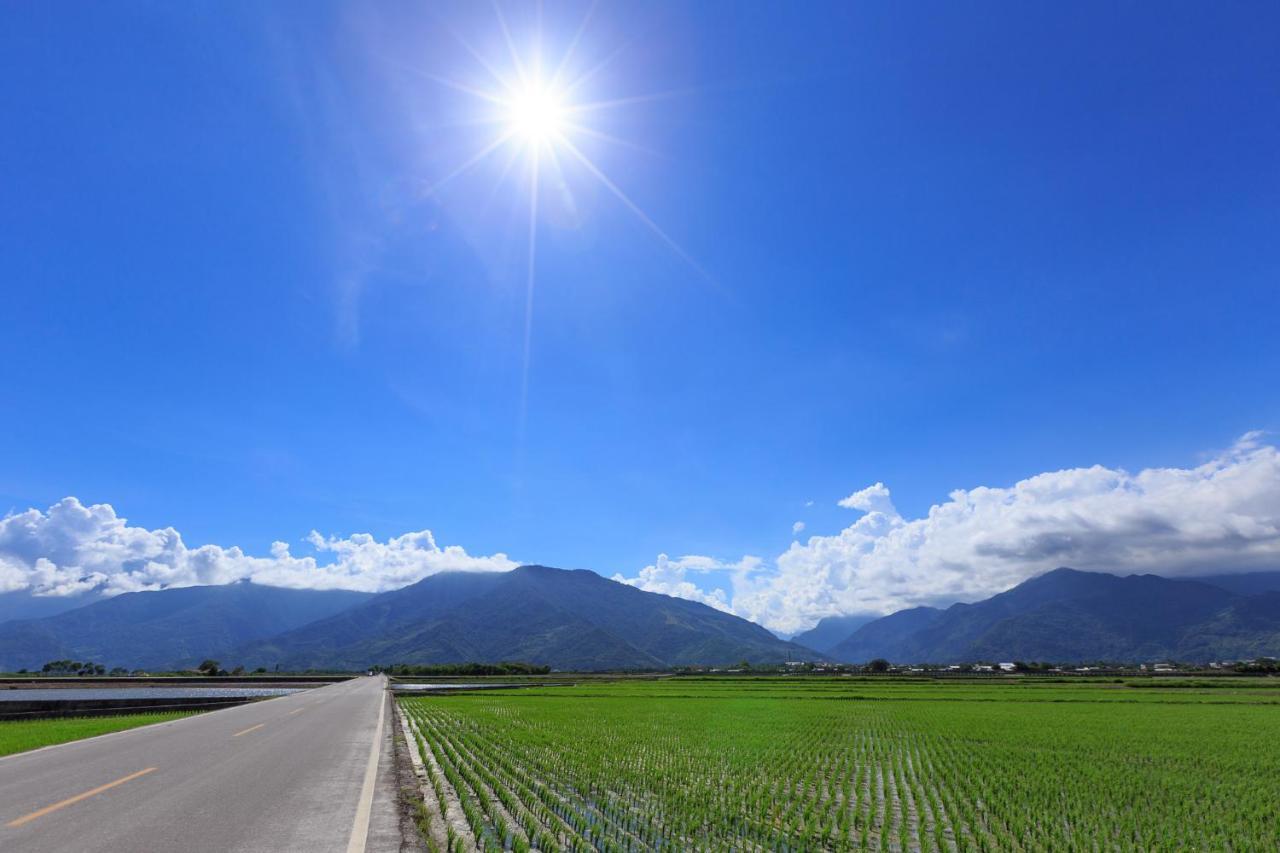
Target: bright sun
536	114
542	120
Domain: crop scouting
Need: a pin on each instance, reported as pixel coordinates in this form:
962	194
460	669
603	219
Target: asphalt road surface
296	773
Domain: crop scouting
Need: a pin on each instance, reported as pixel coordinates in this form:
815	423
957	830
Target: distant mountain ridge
581	620
1244	583
542	615
1070	616
167	628
24	604
831	630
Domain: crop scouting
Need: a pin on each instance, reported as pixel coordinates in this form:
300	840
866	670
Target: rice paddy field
789	764
21	735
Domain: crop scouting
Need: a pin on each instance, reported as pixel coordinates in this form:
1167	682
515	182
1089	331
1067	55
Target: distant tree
239	670
1031	666
118	671
73	667
209	667
878	665
260	670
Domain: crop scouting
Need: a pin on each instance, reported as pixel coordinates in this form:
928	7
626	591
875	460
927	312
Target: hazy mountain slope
23	605
1071	616
383	621
675	630
563	619
831	631
882	638
1249	628
1251	583
167	627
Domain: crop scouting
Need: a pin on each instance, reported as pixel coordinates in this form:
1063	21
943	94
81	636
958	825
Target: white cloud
72	548
669	577
1221	516
797	528
871	499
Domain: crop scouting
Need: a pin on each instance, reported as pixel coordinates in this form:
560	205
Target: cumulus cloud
72	548
797	528
1221	516
871	499
670	577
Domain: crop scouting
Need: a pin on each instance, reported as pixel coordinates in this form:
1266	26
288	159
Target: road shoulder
392	824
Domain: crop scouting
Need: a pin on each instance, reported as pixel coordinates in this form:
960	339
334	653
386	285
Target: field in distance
21	735
837	764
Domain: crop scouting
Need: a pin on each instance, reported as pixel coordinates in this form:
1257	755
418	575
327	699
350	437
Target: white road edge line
136	729
360	828
149	726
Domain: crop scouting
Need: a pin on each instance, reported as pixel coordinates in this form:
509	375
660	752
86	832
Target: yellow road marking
77	798
250	729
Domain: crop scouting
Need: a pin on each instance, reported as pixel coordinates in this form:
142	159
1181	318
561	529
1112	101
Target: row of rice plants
832	767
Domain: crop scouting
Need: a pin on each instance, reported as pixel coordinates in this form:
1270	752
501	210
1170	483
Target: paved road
289	774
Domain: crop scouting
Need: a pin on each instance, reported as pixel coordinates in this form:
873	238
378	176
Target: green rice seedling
839	764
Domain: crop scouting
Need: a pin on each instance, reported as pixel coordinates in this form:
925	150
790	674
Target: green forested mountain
165	628
580	620
1072	616
563	619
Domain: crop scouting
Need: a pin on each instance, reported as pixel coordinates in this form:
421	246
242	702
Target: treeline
212	668
88	669
472	668
74	667
1267	665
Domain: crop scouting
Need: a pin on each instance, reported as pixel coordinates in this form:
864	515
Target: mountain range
1073	616
578	620
831	631
170	628
563	619
24	604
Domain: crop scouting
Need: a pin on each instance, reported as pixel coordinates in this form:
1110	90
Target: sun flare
536	114
542	122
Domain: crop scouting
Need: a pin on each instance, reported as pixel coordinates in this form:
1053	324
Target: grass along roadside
24	735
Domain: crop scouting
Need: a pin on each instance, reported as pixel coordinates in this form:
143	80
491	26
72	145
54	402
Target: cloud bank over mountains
72	548
1220	516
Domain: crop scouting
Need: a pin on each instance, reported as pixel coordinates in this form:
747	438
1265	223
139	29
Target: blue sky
938	247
